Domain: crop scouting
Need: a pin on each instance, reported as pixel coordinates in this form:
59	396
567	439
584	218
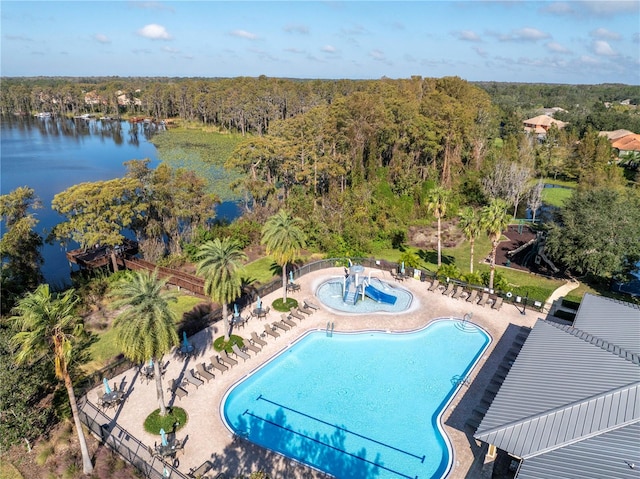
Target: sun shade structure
570	405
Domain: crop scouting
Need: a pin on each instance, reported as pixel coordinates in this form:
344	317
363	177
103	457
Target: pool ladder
329	330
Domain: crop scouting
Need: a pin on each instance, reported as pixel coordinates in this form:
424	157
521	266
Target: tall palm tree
284	238
220	264
494	220
470	226
145	329
437	204
49	326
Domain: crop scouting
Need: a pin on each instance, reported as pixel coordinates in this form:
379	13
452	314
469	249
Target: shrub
449	271
219	344
567	303
283	307
175	419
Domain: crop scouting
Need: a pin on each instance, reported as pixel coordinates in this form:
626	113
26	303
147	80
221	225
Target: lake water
51	155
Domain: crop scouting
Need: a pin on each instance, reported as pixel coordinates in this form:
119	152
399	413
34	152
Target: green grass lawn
556	196
260	270
104	349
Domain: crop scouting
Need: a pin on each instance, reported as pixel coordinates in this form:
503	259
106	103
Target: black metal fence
136	453
127	446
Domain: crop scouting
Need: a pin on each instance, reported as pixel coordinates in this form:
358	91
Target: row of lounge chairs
458	292
223	362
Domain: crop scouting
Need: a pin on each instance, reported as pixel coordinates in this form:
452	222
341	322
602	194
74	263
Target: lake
50	155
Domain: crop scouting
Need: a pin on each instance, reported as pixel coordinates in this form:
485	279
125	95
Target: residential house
540	124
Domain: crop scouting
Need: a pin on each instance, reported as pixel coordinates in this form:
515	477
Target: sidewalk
561	292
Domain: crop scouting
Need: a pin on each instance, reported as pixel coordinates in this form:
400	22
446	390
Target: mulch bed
524	260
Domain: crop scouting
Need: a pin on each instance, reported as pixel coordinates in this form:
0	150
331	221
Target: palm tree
48	326
220	264
470	226
494	220
284	238
145	329
437	204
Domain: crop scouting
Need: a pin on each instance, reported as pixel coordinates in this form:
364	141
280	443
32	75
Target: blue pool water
330	293
363	405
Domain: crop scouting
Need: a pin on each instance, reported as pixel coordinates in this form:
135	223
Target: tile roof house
541	123
570	404
624	141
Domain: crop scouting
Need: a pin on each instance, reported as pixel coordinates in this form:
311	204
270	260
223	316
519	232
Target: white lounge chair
239	353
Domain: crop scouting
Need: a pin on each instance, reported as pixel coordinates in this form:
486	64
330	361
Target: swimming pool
363	405
330	294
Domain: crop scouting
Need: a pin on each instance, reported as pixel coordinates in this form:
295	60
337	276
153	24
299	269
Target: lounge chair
239	353
226	359
257	340
434	285
296	314
201	470
190	378
458	292
498	303
304	310
287	321
449	290
281	325
218	365
174	388
270	331
473	296
203	373
251	347
310	304
483	299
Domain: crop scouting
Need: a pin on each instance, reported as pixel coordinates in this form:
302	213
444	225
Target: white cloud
170	50
587	60
555	47
590	8
602	48
467	36
329	49
480	51
529	34
154	31
605	34
301	29
244	34
379	56
152	6
101	38
294	50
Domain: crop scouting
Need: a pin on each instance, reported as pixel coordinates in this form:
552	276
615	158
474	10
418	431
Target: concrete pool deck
208	439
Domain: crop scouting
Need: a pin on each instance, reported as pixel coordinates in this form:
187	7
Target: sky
575	42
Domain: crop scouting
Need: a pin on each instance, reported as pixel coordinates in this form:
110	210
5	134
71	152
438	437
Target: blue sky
549	41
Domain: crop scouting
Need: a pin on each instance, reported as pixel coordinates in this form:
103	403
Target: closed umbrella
235	309
163	437
291	276
402	268
107	389
259	303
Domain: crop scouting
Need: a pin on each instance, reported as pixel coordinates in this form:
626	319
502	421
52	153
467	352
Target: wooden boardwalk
101	256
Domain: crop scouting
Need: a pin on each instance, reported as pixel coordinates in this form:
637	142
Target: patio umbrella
258	303
291	276
163	437
402	268
235	308
185	341
150	363
107	389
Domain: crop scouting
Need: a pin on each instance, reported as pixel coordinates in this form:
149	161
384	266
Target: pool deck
208	439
